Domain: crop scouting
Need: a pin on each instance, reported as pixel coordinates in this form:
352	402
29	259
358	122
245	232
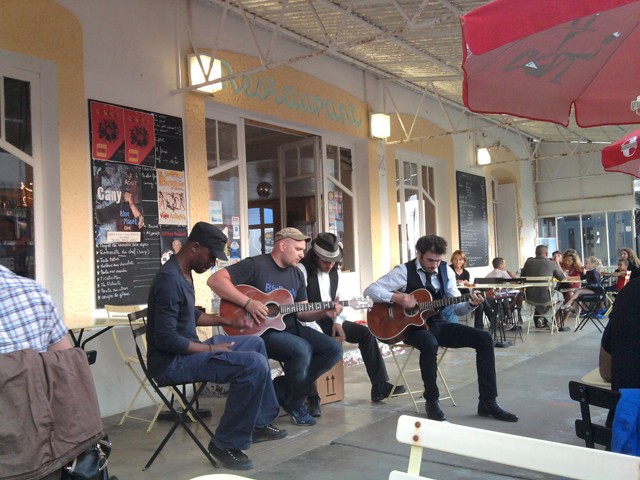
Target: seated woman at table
593	281
572	267
458	262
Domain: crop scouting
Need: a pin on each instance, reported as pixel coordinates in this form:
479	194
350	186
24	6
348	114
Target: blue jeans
305	355
251	401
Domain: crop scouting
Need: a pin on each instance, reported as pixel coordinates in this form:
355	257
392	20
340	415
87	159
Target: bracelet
246	303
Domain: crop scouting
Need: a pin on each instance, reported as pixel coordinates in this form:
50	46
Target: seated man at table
176	354
28	317
500	271
428	272
541	266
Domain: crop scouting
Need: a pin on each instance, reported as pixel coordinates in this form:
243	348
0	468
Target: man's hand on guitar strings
405	300
257	311
475	297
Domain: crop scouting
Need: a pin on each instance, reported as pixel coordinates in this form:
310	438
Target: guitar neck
443	302
310	306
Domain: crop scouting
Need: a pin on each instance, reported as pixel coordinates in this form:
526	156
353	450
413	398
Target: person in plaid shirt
28	317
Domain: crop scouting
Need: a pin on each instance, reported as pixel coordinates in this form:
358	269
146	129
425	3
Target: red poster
107	130
140	138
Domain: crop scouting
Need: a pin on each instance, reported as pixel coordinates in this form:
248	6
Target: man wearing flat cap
176	354
305	353
321	269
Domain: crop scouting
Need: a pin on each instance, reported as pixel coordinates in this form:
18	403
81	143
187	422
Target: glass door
299	185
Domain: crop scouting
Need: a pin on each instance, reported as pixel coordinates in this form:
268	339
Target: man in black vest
428	272
321	270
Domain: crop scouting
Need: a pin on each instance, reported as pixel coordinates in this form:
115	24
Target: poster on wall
117	203
137	159
172	203
140	138
171	241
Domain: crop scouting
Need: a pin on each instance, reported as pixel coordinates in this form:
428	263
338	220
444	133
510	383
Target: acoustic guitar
389	322
279	302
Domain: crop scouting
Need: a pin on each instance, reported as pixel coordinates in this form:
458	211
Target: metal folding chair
403	369
137	321
551	302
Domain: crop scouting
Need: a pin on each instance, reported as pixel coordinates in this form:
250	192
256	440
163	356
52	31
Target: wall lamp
204	71
483	157
380	125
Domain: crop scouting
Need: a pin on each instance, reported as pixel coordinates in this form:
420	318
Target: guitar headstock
360	303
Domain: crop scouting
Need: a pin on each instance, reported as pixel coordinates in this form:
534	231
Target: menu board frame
473	220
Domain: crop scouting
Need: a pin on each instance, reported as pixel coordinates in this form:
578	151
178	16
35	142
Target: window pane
594	236
332	161
346	168
17	104
16	215
620	234
225	188
307	159
228	142
569	234
211	133
341	223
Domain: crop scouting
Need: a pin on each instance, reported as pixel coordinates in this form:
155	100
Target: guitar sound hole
274	310
410	312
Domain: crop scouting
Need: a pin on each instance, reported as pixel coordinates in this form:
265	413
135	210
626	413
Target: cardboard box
330	385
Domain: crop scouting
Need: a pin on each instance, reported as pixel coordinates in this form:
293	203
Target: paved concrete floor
355	439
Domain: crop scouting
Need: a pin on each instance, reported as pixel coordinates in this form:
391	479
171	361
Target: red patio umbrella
537	58
623	156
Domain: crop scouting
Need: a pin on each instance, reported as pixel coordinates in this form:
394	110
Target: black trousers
368	345
454	335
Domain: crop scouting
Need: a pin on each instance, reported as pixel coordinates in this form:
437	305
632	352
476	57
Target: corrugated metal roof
414	43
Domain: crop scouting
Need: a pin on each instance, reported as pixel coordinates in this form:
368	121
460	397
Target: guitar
389	322
280	303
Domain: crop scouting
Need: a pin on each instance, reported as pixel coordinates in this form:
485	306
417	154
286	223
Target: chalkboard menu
139	198
473	223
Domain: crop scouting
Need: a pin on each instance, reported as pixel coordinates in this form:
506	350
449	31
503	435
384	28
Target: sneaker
265	434
300	416
230	458
563	329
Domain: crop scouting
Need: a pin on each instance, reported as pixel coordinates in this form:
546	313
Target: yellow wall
44	30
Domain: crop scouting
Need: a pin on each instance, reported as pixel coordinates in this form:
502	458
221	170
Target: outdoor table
101	325
497	326
594	378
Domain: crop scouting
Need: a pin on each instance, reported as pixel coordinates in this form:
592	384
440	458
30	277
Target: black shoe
380	391
265	434
489	408
230	458
563	329
313	405
434	412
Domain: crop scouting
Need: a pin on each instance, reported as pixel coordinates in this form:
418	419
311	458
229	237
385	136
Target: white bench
542	456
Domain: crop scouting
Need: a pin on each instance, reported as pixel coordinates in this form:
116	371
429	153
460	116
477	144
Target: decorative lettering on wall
264	87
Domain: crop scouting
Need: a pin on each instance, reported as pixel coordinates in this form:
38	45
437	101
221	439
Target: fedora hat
327	247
